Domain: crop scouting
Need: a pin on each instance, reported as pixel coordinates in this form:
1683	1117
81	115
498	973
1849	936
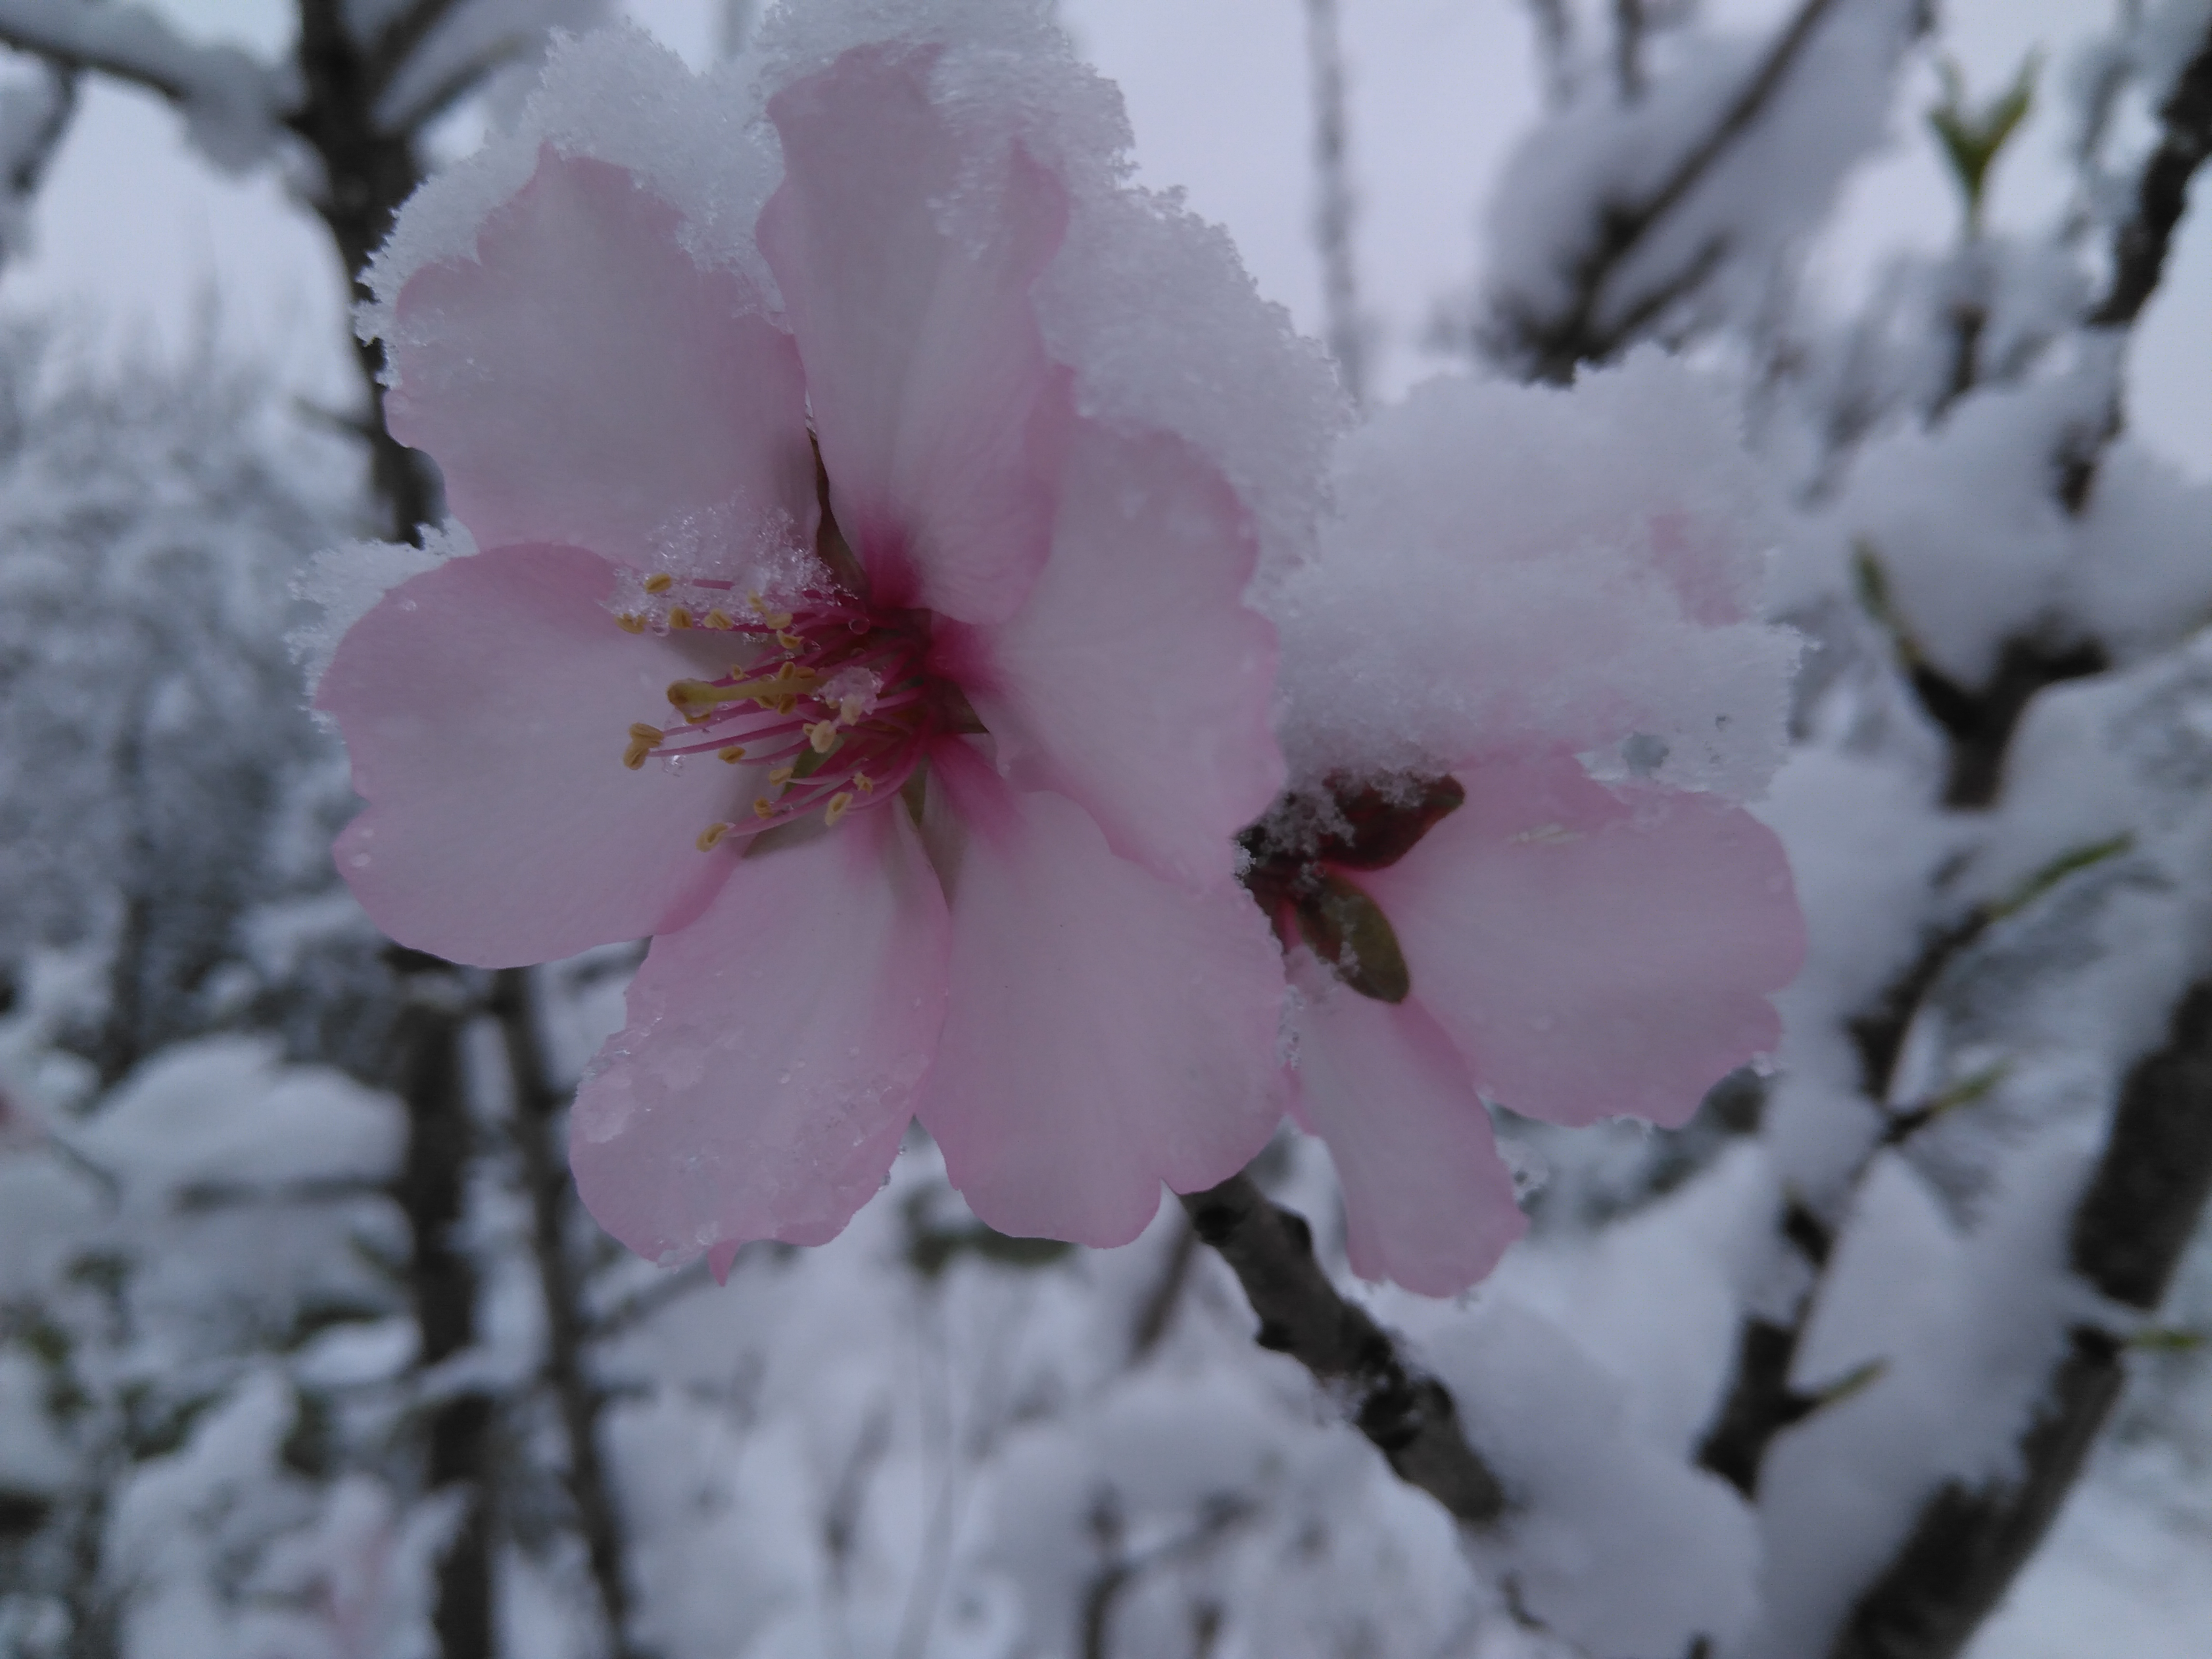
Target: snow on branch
2134	1222
232	103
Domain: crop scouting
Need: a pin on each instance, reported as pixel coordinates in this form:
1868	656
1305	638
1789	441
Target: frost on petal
1133	680
772	1052
1595	951
485	705
1427	1201
583	381
1107	1031
905	251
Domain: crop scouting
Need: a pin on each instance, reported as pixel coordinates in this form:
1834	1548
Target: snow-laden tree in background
296	1366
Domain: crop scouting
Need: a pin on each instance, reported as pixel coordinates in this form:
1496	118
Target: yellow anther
780	775
782	705
788	671
719	618
789	641
822	736
711	837
773	618
678	617
864	783
660	584
732	754
838	804
764	808
850	710
641	732
631	625
634	757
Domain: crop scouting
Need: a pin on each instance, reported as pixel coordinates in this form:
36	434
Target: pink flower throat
834	699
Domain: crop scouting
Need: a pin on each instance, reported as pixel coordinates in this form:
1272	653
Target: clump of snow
1513	568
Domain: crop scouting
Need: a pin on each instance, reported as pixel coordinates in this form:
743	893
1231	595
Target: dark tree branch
27	169
2130	1228
537	1105
402	38
1628	49
432	1192
1580	333
2140	247
1410	1417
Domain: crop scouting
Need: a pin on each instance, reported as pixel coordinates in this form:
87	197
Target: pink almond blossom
1470	914
909	707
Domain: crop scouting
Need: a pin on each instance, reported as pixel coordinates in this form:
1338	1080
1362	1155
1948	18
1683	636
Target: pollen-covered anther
720	619
864	783
763	808
839	803
850	710
711	837
733	754
643	740
678	617
789	641
629	622
660	583
773	618
780	775
822	736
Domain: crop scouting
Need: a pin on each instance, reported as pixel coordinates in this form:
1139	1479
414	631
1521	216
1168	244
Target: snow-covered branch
232	103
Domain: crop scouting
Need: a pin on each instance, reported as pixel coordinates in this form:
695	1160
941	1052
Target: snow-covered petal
1107	1031
906	254
772	1048
1595	951
583	381
1427	1201
485	705
1133	680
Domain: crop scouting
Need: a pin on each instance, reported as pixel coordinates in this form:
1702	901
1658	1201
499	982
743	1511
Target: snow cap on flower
1524	568
1523	676
835	505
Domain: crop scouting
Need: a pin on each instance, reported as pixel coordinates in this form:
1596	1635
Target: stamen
720	619
838	804
764	808
660	583
864	783
733	754
822	736
678	617
629	623
711	836
781	776
789	641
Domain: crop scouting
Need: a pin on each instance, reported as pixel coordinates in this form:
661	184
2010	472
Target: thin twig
1335	207
1409	1416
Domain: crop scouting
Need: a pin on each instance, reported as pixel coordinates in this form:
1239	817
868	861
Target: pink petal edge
485	706
1595	951
1107	1031
773	1051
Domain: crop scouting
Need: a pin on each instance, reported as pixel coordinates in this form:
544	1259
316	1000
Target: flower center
830	696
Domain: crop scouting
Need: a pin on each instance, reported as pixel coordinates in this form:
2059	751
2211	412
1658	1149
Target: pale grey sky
132	230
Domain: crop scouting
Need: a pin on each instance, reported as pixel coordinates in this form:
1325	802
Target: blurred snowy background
304	1350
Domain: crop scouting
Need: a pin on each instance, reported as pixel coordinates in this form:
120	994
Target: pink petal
486	705
583	381
772	1052
907	281
1107	1031
1427	1201
1595	951
1133	680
